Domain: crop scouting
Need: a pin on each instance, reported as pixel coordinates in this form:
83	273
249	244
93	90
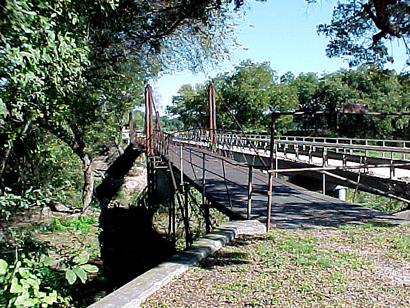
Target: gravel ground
351	266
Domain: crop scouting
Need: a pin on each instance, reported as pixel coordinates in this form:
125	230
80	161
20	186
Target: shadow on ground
224	259
129	244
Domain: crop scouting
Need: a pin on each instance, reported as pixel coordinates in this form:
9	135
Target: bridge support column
172	219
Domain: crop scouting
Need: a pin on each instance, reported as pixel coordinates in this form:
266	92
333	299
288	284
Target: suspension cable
242	131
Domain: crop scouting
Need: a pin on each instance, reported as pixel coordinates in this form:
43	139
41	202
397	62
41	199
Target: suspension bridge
252	177
240	174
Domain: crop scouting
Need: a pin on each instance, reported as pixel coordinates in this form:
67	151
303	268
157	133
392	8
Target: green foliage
79	269
49	164
244	96
11	203
380	90
75	69
30	281
360	30
249	92
43	54
171	124
82	224
24	284
380	203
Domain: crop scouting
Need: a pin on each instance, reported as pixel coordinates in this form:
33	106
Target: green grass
83	224
382	237
380	203
300	268
380	154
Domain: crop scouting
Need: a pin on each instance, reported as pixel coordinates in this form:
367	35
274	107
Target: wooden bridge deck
226	186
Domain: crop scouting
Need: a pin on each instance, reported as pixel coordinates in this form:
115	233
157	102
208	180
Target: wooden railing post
226	184
276	160
188	239
392	171
249	208
181	166
204	201
323	174
269	205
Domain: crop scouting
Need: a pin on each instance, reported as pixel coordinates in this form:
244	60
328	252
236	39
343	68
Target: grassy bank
352	266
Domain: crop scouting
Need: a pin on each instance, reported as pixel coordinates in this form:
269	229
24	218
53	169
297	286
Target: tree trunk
4	155
88	187
75	140
6	146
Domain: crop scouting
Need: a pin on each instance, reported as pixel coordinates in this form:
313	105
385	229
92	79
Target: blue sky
282	33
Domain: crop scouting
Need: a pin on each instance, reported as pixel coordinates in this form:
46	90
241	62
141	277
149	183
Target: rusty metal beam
212	112
149	144
149	125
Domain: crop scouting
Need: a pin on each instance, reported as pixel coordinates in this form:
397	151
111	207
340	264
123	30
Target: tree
190	106
69	67
41	63
380	90
360	29
243	99
247	95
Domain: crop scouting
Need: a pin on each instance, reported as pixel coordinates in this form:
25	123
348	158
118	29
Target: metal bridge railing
295	147
167	144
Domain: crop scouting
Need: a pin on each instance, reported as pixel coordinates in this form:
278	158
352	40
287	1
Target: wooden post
271	166
174	190
249	192
297	152
269	206
272	140
181	166
383	145
173	223
358	181
204	201
170	219
276	160
392	173
324	175
226	184
188	240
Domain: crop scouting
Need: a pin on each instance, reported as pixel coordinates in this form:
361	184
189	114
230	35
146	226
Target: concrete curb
134	293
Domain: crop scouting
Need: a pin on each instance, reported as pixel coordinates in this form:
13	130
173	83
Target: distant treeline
246	96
